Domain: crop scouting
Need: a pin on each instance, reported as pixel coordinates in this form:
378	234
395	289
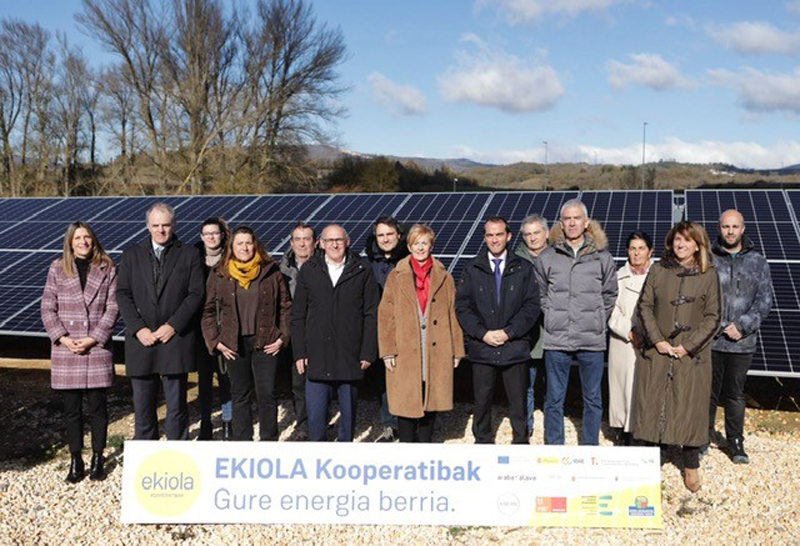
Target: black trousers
515	381
96	411
253	372
207	366
298	393
410	430
729	373
145	404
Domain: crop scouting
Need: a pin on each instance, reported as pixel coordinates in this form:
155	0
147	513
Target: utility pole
455	181
546	167
644	144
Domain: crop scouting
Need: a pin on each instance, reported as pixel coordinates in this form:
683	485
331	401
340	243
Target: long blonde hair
695	232
99	255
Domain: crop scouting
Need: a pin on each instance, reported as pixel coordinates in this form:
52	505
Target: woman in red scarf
419	338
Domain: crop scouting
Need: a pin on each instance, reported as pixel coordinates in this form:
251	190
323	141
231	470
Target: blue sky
491	80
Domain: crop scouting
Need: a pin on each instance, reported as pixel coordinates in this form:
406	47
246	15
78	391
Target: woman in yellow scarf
247	319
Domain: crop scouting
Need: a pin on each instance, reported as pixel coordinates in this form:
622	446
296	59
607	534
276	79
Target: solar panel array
31	235
771	223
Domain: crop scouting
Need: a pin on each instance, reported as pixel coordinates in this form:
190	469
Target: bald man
747	294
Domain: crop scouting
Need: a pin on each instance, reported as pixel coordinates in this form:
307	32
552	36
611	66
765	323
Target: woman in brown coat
246	318
419	338
679	311
79	310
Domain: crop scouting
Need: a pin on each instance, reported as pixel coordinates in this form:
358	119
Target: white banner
419	484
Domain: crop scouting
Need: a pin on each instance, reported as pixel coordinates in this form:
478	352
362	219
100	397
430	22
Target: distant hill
329	154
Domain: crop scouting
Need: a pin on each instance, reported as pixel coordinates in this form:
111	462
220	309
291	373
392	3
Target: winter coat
537	333
289	269
478	311
399	335
178	301
335	328
578	293
273	314
621	353
69	310
381	265
671	397
746	294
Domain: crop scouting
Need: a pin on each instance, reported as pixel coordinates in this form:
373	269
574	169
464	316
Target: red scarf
422	280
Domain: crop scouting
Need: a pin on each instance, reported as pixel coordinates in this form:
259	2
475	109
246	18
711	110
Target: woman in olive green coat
679	311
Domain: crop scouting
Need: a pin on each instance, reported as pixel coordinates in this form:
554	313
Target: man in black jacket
160	292
384	248
334	330
498	305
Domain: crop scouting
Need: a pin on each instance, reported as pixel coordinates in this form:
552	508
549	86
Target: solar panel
31	235
622	212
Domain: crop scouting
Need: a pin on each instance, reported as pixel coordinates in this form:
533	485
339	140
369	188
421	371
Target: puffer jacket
746	295
578	293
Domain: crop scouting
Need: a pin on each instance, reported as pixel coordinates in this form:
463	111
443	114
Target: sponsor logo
503	459
551	505
548	460
641	508
167	483
508	504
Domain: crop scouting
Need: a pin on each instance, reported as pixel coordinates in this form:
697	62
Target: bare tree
12	96
291	63
134	31
71	98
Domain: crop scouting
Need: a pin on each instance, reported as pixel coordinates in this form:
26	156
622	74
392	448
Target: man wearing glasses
334	330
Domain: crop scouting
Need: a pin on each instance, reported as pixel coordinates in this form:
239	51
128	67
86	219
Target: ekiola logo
167	483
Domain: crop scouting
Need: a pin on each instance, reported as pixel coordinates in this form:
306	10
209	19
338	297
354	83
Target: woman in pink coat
79	310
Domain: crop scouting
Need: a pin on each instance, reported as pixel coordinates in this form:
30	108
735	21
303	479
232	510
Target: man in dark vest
160	292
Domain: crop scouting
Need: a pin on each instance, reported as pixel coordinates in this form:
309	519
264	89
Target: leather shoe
76	469
97	471
691	479
738	454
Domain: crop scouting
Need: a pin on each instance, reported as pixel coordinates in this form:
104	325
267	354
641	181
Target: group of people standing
225	306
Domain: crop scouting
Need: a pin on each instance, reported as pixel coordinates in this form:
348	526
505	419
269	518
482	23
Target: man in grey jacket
578	286
302	247
747	295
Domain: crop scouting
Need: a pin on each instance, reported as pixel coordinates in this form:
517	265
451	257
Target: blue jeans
590	366
318	397
532	366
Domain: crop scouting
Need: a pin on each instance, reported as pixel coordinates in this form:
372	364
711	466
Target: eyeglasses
338	241
211	234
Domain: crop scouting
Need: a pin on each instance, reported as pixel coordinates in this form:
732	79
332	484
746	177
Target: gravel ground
756	503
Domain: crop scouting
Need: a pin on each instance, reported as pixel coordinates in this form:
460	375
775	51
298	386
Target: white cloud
525	11
646	69
682	19
402	100
755	37
496	79
762	92
792	7
742	154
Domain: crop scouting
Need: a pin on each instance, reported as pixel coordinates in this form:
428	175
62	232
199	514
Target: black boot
737	452
227	435
97	471
206	431
76	469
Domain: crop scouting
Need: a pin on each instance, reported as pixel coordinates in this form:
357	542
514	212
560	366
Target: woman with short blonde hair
419	338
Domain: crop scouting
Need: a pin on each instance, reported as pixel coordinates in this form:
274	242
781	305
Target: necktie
158	251
498	277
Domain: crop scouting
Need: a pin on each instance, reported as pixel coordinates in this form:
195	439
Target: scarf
422	280
213	256
245	272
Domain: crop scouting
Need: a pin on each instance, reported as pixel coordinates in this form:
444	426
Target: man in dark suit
160	293
497	305
334	330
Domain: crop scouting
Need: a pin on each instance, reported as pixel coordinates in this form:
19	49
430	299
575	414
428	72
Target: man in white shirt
334	330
